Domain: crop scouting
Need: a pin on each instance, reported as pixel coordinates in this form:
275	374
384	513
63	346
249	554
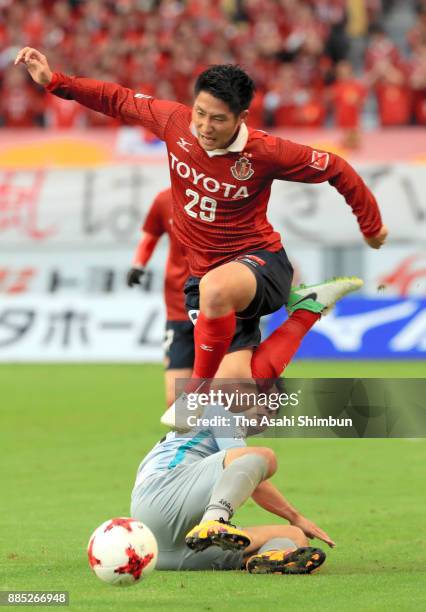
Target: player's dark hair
228	83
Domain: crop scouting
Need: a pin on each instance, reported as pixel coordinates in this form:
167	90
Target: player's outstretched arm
269	498
36	64
296	162
110	99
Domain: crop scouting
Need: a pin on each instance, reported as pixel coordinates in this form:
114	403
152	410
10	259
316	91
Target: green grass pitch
71	437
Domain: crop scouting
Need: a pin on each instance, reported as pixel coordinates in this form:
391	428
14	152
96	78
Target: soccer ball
122	551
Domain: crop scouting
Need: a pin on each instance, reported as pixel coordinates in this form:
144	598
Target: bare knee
296	535
214	298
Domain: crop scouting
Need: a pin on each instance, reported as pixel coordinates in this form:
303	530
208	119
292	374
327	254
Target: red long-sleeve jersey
158	222
220	198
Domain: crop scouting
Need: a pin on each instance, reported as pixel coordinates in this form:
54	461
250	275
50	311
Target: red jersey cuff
53	82
371	233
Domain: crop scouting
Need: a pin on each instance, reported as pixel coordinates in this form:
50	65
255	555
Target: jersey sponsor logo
210	184
183	144
205	347
242	169
319	160
139	95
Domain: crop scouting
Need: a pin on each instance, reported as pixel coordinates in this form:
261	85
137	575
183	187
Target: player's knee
297	535
214	297
270	458
256	465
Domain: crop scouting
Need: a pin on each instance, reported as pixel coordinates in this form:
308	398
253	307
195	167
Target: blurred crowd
299	52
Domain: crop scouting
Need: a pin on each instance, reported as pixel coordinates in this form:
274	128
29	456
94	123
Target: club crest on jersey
242	169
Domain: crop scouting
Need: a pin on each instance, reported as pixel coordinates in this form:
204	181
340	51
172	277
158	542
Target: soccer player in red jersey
179	334
221	174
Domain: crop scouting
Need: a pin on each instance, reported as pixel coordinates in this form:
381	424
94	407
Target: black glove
134	276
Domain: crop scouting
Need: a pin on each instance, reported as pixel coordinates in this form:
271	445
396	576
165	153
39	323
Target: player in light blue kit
202	479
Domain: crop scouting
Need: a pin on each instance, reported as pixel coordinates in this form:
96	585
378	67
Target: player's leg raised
223	292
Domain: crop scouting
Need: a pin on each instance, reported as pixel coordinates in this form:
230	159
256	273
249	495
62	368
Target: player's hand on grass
134	275
36	64
375	242
312	531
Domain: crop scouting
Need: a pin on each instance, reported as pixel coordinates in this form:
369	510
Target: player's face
215	123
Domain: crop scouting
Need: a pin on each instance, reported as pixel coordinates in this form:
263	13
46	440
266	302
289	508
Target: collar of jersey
236	146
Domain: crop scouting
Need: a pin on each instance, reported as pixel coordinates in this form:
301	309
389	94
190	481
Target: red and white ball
122	551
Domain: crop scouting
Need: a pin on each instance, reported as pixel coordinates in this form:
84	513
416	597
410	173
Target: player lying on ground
179	335
202	480
221	175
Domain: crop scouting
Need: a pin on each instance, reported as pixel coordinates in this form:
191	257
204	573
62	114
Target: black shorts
179	345
274	274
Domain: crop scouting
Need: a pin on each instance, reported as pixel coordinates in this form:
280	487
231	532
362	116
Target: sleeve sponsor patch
319	160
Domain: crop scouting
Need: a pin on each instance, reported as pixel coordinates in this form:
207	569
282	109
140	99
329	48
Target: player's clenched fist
378	240
36	64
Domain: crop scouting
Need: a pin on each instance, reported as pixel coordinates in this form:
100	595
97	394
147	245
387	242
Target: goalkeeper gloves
134	276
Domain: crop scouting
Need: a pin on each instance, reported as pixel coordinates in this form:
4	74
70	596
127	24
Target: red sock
212	338
275	353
